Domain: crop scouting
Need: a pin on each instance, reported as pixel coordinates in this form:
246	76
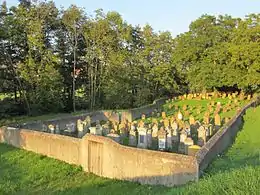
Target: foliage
48	54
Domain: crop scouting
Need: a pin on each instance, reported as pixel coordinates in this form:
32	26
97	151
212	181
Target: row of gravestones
80	128
241	96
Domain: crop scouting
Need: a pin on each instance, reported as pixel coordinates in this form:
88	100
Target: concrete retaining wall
219	142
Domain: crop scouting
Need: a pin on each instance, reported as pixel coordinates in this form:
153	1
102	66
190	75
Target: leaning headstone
161	139
187	143
202	137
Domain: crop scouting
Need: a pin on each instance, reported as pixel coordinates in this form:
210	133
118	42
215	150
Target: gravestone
202	137
132	138
175	133
166	123
71	128
187	129
164	115
142	137
87	123
161	139
44	128
187	143
180	117
98	128
51	128
206	118
191	120
217	121
169	139
183	137
106	128
143	116
149	138
57	129
80	128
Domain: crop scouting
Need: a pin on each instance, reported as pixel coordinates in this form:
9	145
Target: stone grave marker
161	139
187	143
149	138
164	115
51	128
183	137
202	138
132	138
191	120
80	127
142	137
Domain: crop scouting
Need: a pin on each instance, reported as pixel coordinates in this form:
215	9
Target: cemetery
180	134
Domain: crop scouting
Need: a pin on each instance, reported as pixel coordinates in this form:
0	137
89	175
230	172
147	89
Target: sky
171	15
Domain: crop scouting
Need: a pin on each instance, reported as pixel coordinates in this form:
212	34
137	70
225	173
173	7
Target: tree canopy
54	59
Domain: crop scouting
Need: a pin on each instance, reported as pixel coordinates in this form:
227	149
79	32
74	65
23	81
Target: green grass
235	172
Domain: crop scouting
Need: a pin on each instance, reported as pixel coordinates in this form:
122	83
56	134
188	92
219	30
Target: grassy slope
236	172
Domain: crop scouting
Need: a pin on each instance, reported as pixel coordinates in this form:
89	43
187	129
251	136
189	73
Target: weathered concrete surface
104	157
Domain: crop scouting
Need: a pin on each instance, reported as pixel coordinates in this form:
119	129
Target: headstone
187	129
249	97
166	123
143	116
169	139
106	128
161	139
80	128
202	137
142	137
206	118
217	120
93	130
98	128
175	133
149	138
132	138
180	117
44	128
87	123
51	128
187	143
71	128
163	115
183	137
191	120
57	129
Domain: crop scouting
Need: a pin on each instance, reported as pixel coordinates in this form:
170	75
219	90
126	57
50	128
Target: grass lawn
235	172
